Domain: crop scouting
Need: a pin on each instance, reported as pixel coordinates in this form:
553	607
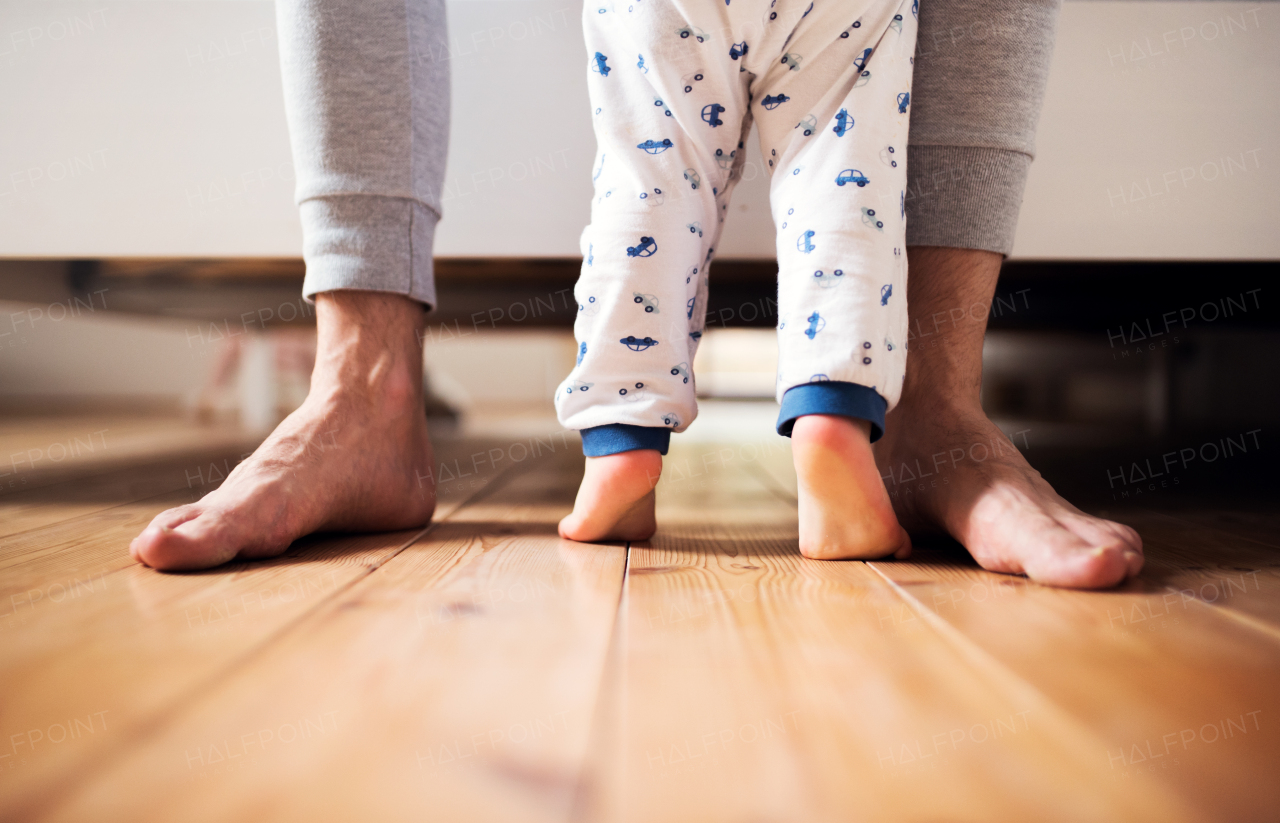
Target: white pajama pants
675	88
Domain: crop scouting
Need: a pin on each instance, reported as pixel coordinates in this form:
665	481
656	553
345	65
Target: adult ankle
384	380
937	403
369	348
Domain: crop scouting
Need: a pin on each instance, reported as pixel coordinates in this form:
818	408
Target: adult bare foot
979	488
354	457
844	510
616	499
954	471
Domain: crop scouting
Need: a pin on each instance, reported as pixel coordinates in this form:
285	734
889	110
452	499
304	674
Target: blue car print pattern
844	122
655	146
638	343
672	128
645	248
852	176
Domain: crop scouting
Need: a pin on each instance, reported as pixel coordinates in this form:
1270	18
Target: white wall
1160	136
156	128
71	351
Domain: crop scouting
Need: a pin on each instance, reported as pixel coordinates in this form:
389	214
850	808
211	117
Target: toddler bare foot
845	512
615	500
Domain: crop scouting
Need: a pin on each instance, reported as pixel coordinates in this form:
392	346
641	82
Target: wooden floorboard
1137	667
76	464
753	684
486	670
53	565
1218	567
1190	644
456	682
85	495
71	556
104	646
44	497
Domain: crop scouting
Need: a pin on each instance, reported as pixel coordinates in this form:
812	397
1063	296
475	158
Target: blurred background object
149	240
155	128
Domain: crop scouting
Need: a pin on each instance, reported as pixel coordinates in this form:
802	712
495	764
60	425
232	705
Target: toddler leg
833	123
669	104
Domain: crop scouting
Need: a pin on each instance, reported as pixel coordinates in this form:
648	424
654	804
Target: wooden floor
484	670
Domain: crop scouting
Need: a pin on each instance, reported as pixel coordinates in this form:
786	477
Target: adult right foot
952	471
354	457
981	490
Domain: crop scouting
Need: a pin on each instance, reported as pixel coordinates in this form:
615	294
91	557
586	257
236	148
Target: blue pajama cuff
832	397
599	441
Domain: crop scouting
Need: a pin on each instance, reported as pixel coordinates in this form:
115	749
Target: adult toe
1070	562
1111	537
143	546
1098	530
197	542
1047	551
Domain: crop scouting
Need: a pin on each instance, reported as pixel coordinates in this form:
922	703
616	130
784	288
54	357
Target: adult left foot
1007	516
354	457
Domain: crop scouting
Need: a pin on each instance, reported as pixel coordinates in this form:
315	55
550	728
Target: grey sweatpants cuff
371	243
964	197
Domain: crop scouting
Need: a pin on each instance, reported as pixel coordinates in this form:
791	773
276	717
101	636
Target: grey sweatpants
368	112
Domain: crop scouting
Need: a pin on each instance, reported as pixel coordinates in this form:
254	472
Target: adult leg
988	497
971	146
354	457
367	102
